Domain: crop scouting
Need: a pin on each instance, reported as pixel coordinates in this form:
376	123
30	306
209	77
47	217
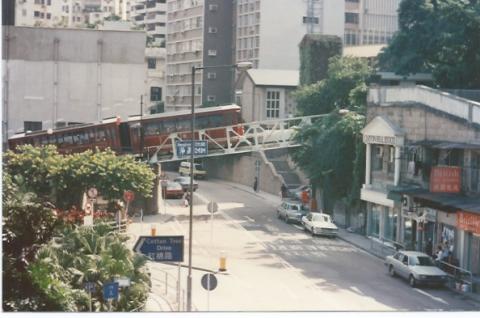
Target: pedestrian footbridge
247	137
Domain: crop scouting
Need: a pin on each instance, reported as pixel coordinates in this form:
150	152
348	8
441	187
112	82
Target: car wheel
391	271
411	281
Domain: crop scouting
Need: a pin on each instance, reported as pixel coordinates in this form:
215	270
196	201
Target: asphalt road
274	266
325	274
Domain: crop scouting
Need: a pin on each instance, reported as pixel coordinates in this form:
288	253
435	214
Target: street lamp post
240	66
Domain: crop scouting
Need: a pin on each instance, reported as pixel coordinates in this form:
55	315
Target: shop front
469	224
382	222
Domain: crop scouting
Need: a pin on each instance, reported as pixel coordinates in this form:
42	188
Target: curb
360	247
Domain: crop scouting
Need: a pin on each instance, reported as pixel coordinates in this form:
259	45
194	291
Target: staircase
278	158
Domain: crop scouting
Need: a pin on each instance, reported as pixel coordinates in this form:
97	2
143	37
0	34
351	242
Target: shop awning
437	144
395	193
448	202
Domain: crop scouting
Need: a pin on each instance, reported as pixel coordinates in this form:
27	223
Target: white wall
282	29
86	91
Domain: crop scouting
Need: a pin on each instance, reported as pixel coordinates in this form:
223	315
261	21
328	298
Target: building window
152	63
212	30
377	157
211	98
310	20
391	160
32	125
155	94
212	75
36	14
273	104
212	52
351	17
213	7
49	16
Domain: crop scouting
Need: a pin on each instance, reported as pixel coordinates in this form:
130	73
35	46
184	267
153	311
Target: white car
416	267
319	224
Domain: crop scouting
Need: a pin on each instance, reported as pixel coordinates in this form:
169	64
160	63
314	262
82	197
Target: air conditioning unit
212	75
211	98
212	30
213	7
212	52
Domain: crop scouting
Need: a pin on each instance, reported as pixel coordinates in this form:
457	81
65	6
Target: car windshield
197	166
422	261
321	218
294	207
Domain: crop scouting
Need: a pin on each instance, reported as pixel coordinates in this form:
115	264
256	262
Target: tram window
100	134
91	135
52	139
112	134
216	121
60	139
183	125
76	138
36	141
229	119
67	138
169	126
153	128
82	138
201	122
44	140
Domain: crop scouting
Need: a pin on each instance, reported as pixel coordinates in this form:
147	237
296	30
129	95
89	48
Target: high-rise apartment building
268	31
68	13
370	21
199	32
152	16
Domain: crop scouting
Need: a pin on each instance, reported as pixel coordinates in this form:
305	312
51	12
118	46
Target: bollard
166	283
223	262
153	230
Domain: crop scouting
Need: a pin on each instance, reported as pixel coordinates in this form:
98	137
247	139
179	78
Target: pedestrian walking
255	184
284	190
186	200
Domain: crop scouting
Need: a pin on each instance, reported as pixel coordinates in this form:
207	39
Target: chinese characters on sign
445	179
161	248
200	148
468	222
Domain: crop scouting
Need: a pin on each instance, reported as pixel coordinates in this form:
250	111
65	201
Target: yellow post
223	262
153	230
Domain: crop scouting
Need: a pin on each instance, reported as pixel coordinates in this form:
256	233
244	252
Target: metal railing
383	247
240	138
459	279
169	289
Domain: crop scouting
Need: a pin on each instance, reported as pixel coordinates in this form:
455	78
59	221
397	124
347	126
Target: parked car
417	267
291	211
185	183
172	190
198	171
319	224
296	193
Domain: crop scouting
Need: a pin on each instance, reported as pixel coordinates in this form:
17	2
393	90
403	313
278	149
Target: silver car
417	267
291	211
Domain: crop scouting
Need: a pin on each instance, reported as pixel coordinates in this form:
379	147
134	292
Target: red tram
125	137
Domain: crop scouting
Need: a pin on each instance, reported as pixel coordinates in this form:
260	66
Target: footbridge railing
241	138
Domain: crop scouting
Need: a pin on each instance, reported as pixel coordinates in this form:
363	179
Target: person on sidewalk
255	184
284	191
186	200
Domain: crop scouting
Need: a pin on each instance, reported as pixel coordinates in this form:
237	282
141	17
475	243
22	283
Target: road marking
440	300
298	226
249	218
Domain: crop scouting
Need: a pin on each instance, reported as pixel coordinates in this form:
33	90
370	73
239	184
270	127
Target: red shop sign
468	222
445	179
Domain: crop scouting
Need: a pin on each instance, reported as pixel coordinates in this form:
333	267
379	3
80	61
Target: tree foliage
64	178
332	152
344	87
315	52
437	36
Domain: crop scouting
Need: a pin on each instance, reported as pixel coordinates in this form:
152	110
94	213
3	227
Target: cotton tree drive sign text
161	248
200	148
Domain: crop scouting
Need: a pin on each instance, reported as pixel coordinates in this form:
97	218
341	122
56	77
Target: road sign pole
211	246
179	285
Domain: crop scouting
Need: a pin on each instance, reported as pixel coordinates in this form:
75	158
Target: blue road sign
200	148
89	287
161	248
110	291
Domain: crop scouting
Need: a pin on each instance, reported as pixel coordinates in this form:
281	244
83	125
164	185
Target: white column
397	166
368	164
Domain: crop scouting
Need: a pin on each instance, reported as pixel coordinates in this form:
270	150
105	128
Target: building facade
422	179
370	21
155	94
151	15
52	77
267	94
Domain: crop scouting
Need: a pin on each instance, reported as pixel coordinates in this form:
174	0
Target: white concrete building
267	94
370	21
52	77
155	94
152	16
268	31
68	13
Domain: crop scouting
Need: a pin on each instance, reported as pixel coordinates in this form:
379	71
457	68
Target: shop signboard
445	179
468	222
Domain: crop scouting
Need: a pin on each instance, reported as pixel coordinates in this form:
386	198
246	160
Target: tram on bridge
138	133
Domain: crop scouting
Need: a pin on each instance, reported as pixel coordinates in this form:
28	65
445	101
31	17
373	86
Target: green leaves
450	53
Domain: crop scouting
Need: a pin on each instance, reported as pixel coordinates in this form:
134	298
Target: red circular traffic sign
128	196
